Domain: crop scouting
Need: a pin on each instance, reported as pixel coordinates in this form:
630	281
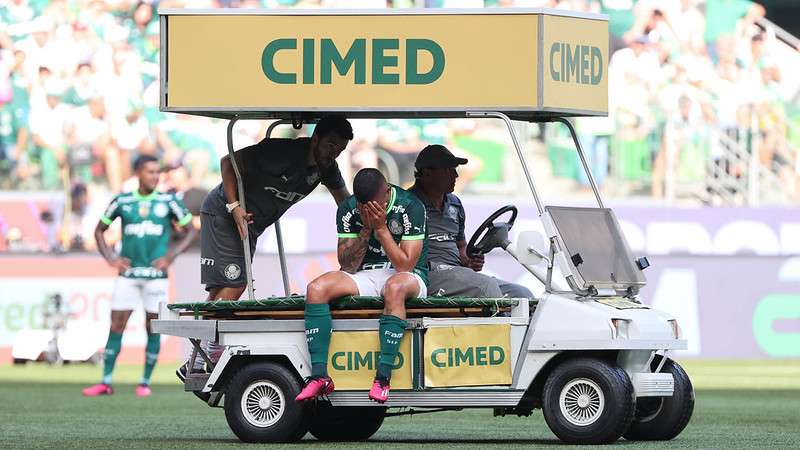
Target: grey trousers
458	281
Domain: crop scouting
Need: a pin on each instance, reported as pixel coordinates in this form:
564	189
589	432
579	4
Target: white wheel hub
581	402
263	404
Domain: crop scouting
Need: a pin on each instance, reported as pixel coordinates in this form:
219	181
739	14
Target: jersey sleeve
332	178
179	212
111	212
414	228
462	218
348	220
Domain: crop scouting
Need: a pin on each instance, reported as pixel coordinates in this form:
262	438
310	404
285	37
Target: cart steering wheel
496	234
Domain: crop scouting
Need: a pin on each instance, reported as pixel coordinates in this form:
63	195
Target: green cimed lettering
365	361
308	61
555	48
467	357
335	361
356	56
435	360
597	63
413	47
572	62
268	61
496	355
381	61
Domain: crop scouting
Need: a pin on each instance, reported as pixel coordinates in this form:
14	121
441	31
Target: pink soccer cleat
143	390
380	390
314	388
98	389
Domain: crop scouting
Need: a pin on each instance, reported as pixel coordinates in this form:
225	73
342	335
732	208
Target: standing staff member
276	173
147	218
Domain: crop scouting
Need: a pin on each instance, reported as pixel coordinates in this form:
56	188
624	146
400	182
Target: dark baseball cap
437	157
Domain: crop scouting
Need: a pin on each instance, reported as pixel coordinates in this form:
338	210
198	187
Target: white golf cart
587	352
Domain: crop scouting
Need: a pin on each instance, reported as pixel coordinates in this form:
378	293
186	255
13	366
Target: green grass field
739	404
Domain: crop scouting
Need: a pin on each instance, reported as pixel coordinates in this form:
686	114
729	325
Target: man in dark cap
452	271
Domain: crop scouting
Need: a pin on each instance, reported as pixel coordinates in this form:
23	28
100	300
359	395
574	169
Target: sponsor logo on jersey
452	212
143	272
144	209
232	271
160	210
292	197
142	229
394	226
206	261
442	237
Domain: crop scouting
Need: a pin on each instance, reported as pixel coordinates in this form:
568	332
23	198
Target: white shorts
132	292
370	282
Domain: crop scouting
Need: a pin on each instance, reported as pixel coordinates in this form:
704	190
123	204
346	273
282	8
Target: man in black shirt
452	272
277	173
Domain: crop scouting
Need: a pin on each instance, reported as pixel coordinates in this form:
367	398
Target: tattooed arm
351	251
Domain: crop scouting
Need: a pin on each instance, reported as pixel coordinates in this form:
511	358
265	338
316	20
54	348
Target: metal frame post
583	158
248	263
277	224
522	160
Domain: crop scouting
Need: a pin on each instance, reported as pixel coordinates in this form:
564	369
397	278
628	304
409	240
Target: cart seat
346	307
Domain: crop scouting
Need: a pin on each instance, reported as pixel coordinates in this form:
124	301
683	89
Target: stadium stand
700	111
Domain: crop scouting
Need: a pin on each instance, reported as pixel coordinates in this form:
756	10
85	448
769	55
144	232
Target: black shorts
222	252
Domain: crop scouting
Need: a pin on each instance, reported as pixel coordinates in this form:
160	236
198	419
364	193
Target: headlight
676	329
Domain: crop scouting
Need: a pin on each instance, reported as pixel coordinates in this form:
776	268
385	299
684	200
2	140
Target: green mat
297	303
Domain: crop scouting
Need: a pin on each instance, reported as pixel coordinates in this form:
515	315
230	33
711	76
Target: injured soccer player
382	251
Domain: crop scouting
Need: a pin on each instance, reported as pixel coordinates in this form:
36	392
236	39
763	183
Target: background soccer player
147	219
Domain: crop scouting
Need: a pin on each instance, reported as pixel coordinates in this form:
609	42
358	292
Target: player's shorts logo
232	271
160	210
395	226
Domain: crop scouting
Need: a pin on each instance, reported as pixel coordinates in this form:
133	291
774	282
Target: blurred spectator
723	18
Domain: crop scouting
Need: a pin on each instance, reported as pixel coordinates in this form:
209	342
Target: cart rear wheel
663	418
260	406
341	423
588	401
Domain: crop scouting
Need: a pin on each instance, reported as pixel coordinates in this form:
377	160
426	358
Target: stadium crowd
79	86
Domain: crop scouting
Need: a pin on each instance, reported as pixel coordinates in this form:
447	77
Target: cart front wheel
663	418
588	401
260	406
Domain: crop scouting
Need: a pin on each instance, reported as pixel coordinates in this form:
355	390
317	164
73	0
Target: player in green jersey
147	217
382	251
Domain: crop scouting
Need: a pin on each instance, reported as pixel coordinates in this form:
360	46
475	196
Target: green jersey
405	219
146	224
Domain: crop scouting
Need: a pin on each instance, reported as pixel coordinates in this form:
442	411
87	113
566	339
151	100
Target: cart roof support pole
277	225
583	158
522	160
248	263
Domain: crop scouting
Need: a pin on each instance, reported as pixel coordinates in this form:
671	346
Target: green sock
390	333
318	337
151	356
110	356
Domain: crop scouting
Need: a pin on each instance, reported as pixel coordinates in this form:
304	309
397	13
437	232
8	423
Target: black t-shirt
275	176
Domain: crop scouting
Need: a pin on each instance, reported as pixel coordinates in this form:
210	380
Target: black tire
346	424
598	401
663	418
20	361
286	421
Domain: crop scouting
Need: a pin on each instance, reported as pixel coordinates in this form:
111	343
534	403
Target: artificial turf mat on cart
462	305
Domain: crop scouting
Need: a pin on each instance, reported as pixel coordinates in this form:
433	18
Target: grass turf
739	404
